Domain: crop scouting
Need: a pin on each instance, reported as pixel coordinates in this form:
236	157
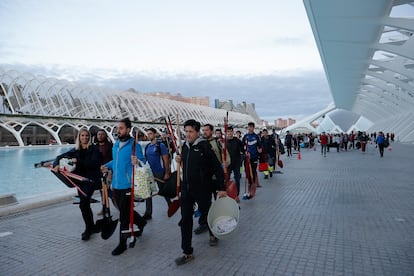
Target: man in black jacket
235	148
198	163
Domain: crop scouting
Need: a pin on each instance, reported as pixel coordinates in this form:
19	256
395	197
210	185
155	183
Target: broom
172	209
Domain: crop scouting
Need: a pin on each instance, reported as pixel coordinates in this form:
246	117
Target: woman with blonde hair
87	159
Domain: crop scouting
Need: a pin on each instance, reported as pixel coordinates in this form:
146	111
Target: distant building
204	101
290	121
245	108
282	123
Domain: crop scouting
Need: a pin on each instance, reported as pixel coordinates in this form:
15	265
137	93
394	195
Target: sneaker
201	229
213	241
266	177
184	259
197	213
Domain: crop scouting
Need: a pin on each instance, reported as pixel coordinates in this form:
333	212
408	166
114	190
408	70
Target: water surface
18	175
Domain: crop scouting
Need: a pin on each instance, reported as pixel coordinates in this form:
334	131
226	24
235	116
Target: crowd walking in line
340	141
205	157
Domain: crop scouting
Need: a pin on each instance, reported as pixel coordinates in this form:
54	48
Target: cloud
290	40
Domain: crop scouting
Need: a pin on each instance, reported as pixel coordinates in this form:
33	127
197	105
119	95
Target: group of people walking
201	160
353	140
205	161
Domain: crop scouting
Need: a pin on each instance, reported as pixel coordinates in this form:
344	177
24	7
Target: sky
260	51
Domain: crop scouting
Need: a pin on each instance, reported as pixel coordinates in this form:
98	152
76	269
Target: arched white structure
305	126
29	94
367	50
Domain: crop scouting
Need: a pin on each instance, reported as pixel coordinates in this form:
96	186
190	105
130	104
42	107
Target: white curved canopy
34	95
367	50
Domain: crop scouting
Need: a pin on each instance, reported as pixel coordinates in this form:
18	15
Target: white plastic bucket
223	217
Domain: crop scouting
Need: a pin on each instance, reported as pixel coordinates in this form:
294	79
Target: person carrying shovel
87	158
199	163
122	152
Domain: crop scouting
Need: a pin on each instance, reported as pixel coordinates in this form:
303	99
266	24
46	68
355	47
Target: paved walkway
347	214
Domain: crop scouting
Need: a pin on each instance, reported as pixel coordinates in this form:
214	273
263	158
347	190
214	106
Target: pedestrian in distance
235	148
288	143
381	142
323	139
269	147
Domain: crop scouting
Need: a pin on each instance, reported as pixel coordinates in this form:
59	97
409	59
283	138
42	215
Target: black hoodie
199	164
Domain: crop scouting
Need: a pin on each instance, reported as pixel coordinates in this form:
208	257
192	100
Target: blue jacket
253	143
380	139
121	164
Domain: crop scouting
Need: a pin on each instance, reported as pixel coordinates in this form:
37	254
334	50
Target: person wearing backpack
381	141
156	154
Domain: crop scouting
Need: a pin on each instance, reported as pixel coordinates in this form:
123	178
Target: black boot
86	235
122	246
87	216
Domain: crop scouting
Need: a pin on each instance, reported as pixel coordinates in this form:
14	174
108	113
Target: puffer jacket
199	164
121	164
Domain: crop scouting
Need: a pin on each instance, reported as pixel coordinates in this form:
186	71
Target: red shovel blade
174	206
253	186
232	189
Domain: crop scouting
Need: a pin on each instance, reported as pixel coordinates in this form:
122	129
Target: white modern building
35	106
367	50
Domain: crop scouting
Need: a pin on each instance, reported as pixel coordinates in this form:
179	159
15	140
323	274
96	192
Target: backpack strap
220	147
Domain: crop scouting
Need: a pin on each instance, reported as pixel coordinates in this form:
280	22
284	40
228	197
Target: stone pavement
347	214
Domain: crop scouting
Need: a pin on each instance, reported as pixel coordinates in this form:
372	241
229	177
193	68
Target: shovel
106	224
46	163
175	204
231	187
